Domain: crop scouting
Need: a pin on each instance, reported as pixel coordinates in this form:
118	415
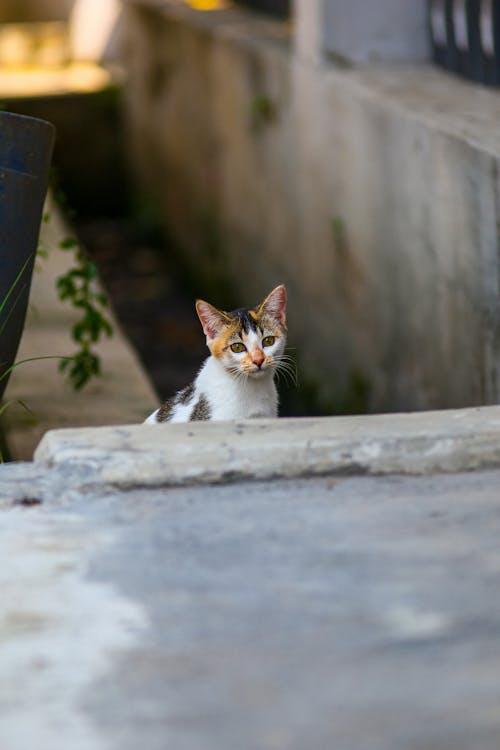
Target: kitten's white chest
236	398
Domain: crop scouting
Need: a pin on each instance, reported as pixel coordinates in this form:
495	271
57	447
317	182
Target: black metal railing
276	8
465	37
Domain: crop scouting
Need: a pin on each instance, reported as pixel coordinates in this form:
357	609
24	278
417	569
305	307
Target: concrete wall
371	191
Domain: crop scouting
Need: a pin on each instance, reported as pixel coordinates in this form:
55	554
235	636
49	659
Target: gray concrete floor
356	613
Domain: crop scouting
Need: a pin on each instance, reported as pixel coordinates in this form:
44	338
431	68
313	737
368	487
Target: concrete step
208	452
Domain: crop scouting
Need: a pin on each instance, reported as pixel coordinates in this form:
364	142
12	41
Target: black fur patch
245	319
185	396
201	411
165	410
181	397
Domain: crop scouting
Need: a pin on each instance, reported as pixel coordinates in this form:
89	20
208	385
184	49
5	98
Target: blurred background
209	148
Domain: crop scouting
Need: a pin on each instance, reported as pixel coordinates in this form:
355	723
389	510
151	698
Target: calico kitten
237	380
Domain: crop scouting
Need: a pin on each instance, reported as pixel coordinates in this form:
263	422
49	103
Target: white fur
152	418
229	397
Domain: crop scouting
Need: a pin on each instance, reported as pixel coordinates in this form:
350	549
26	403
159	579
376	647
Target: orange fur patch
219	344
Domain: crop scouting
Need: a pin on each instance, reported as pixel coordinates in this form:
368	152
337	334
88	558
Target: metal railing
465	37
276	8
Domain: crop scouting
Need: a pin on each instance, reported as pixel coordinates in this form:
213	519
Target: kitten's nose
258	358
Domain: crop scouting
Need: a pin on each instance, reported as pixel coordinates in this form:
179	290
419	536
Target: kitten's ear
212	320
275	305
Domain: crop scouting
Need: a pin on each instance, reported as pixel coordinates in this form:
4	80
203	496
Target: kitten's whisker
288	378
237	373
285	358
287	369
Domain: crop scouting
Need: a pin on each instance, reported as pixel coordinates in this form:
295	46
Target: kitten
237	380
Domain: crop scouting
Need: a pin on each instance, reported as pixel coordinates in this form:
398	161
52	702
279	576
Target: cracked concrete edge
212	452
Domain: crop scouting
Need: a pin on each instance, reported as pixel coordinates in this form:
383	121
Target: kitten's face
248	342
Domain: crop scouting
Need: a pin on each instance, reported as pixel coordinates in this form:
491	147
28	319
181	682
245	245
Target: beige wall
372	192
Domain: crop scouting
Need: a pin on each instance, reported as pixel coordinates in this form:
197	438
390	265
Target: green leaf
102	300
14	283
90	270
29	359
12	308
79	287
84	365
66	287
107	327
68	243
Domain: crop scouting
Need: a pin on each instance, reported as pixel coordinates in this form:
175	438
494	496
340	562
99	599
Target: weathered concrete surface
201	452
355	614
372	192
123	393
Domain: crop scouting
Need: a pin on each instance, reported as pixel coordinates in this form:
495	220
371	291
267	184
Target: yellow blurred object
207	4
41	44
42	81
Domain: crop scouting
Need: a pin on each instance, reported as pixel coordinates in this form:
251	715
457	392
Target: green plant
79	287
8	371
340	239
7	404
262	112
9	294
3	306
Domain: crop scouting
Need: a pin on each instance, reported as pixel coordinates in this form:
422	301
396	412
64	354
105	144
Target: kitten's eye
238	347
268	340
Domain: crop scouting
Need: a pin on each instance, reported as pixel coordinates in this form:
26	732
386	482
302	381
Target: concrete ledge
209	452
